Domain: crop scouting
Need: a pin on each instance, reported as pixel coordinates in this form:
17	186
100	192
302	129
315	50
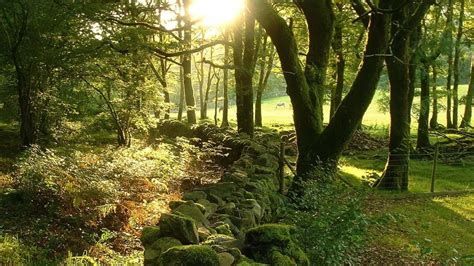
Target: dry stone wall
226	223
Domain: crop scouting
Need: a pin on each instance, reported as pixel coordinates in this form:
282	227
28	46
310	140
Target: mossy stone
266	243
193	211
226	259
149	235
224	229
210	208
195	195
180	227
192	255
159	247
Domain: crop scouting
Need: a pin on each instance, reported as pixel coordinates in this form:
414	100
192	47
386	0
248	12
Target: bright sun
216	12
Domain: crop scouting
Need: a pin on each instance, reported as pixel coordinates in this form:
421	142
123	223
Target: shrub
330	223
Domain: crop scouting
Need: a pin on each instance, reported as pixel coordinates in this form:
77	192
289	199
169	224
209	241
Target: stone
274	244
189	256
195	195
159	247
247	219
224	229
209	207
225	259
149	235
175	204
254	207
223	242
203	233
228	208
193	211
180	227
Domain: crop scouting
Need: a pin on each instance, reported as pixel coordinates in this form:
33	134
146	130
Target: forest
236	132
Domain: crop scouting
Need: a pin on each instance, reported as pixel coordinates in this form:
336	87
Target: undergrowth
331	224
88	206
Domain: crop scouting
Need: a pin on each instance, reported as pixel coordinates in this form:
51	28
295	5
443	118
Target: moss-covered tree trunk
225	107
423	140
434	96
449	96
265	69
466	121
28	132
244	52
336	96
405	21
457	56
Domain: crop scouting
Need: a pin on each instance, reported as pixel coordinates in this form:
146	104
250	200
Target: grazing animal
280	105
221	109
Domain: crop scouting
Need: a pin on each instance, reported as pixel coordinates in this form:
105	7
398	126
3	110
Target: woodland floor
404	228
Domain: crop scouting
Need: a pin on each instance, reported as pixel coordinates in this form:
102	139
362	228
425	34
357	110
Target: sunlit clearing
216	12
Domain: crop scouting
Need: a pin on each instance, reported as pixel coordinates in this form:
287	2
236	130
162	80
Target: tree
187	66
337	46
244	53
466	120
265	69
457	55
38	40
315	146
449	26
405	22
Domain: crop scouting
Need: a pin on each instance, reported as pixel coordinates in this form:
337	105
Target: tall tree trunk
181	94
28	132
187	67
225	107
266	66
320	19
244	52
466	120
423	140
261	77
200	74
216	99
457	55
434	117
337	45
406	20
449	24
210	77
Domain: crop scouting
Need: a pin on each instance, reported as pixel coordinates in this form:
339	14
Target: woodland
236	132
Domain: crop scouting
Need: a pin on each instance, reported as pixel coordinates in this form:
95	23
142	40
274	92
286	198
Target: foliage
330	222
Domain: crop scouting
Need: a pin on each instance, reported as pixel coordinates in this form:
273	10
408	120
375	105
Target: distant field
273	115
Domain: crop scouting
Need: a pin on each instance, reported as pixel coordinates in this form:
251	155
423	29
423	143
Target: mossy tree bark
466	121
266	66
449	25
337	46
434	96
244	61
225	107
304	87
405	20
457	55
423	140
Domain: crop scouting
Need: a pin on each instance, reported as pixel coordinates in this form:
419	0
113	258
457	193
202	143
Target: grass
374	117
428	229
